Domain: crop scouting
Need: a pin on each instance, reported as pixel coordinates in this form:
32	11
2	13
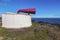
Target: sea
49	20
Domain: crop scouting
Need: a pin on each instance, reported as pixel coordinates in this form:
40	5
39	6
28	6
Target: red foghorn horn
29	11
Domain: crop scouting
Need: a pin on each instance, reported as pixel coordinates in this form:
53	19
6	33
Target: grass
36	32
24	35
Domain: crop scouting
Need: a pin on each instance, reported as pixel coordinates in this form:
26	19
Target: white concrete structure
16	21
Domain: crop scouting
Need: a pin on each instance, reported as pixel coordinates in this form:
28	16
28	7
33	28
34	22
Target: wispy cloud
4	2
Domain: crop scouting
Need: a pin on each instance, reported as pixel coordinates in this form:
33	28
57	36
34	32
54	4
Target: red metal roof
30	11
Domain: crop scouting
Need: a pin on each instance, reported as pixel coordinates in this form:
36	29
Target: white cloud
5	0
1	3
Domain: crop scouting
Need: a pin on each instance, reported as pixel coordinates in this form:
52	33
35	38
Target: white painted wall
16	21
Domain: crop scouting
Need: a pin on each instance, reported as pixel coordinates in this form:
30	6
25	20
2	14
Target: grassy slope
38	31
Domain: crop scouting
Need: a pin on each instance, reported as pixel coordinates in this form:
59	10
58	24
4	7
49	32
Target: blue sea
49	20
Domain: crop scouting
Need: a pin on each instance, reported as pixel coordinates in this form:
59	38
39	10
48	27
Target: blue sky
44	8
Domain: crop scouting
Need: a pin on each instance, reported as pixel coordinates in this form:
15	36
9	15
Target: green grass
30	33
26	34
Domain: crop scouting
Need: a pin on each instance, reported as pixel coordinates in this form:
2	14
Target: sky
44	8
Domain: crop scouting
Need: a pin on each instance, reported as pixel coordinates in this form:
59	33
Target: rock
1	38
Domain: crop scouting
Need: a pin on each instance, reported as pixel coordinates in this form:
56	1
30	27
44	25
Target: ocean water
49	20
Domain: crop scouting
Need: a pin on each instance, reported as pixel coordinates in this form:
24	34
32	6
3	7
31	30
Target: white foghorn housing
16	21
